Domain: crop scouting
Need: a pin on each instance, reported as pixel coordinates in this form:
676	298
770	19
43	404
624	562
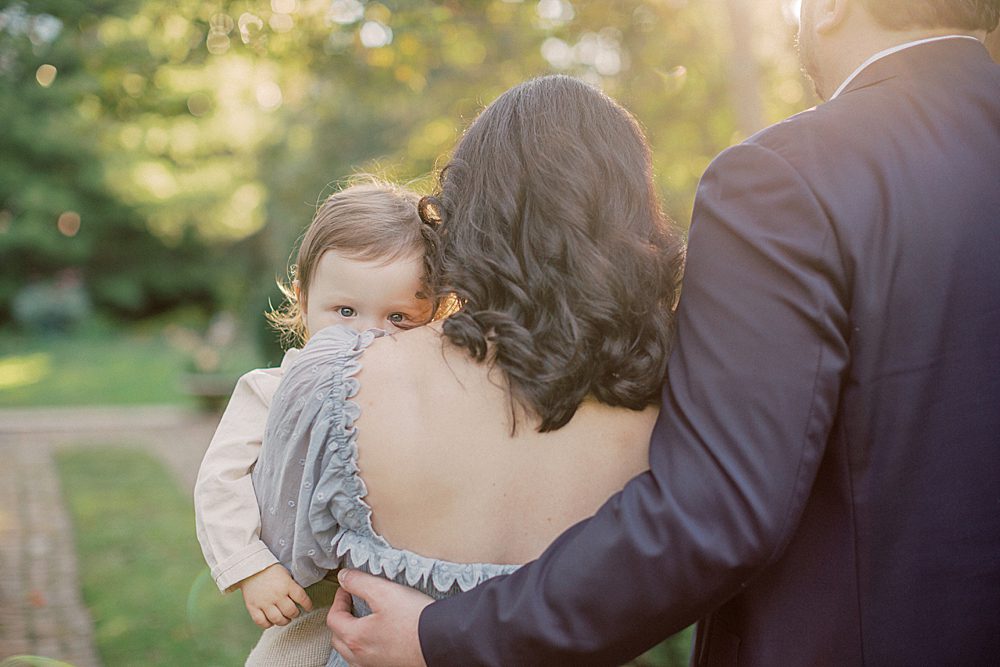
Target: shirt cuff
244	563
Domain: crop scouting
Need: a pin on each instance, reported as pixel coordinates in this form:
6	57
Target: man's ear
831	14
993	44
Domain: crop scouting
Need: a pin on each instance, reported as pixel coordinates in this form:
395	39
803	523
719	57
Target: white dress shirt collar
888	52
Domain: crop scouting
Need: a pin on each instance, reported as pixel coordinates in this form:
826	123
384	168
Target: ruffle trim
414	569
338	502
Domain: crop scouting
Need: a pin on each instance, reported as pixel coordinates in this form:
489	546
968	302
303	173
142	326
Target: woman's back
494	496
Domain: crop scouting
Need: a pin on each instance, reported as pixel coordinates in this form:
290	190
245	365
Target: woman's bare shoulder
424	350
407	342
424	360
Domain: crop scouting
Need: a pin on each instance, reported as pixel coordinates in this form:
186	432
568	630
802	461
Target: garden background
159	159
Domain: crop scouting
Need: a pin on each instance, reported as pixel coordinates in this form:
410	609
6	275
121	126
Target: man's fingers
342	600
299	595
340	611
339	620
389	635
368	587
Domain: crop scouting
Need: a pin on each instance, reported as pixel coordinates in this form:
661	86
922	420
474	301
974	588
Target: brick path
41	612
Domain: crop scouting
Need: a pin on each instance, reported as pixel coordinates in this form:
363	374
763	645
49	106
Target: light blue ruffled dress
313	516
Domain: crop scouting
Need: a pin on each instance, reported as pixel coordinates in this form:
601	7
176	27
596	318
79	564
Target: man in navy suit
825	473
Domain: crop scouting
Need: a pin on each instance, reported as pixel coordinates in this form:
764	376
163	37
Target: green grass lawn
141	570
94	369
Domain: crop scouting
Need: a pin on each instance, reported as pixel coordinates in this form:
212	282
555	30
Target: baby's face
366	294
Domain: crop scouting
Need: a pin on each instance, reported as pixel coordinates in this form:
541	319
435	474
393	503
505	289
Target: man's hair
371	221
958	14
564	268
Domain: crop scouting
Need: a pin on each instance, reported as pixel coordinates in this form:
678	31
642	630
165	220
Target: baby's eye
397	318
346	311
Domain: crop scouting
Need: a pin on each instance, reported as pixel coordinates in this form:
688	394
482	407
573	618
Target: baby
362	263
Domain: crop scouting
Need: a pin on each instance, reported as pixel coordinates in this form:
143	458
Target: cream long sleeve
227	515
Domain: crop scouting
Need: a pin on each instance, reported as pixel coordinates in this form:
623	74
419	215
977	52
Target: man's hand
271	596
389	635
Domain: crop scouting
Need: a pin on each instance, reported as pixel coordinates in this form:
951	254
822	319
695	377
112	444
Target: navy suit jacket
825	472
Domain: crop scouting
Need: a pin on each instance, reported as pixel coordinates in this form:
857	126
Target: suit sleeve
751	393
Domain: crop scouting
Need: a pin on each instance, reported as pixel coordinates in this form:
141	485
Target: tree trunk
744	74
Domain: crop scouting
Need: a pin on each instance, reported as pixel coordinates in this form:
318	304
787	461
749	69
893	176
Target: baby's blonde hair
373	220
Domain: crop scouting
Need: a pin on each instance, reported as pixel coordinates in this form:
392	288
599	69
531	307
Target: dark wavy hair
961	14
553	242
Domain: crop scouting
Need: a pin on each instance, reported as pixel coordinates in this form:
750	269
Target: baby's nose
365	323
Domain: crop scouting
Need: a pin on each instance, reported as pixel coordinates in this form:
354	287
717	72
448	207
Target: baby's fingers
275	615
288	608
259	619
298	594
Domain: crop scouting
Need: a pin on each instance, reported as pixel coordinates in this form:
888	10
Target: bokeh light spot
555	11
222	23
217	43
268	95
558	53
130	137
45	75
241	215
608	62
69	223
283	6
44	29
133	84
674	79
790	92
174	28
645	19
155	178
250	26
345	12
375	34
281	22
157	140
376	11
199	104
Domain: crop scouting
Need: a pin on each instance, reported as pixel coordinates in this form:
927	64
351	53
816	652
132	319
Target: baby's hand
271	596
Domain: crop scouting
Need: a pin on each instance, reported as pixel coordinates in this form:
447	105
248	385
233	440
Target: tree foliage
183	145
60	214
